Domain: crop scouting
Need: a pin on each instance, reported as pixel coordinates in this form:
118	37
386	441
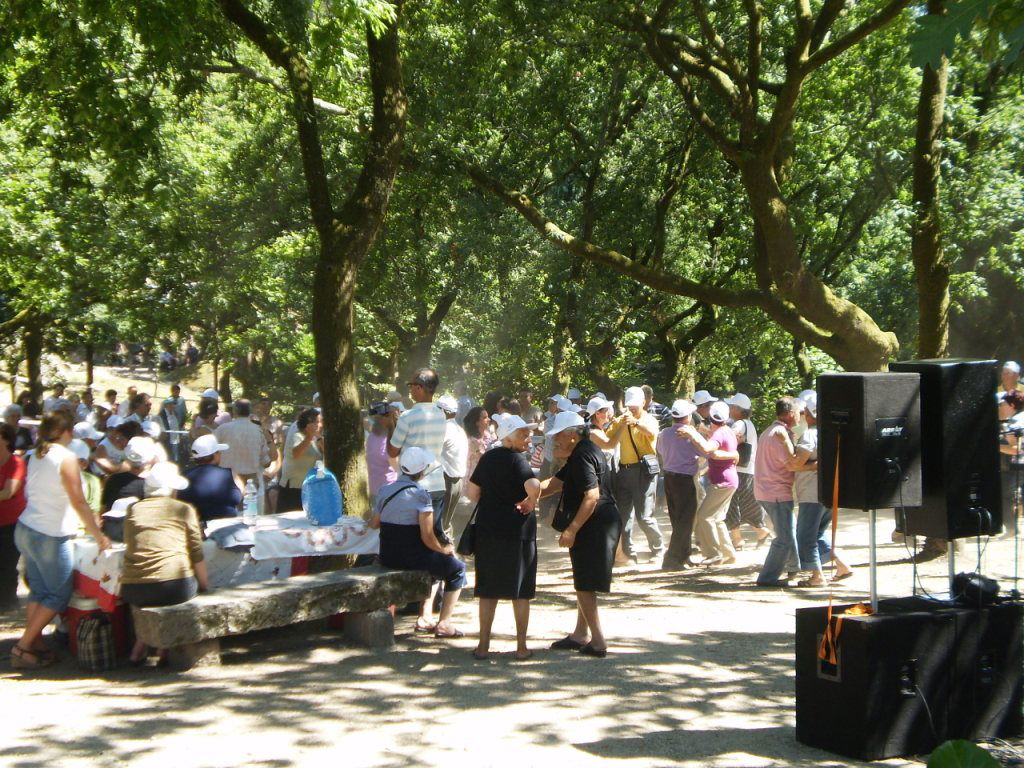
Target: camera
379	409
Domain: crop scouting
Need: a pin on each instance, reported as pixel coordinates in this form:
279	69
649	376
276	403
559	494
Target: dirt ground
700	673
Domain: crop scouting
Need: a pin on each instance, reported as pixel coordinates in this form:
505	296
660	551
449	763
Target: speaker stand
951	556
873	559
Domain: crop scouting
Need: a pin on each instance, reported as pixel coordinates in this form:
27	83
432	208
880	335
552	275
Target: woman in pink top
722	454
478	429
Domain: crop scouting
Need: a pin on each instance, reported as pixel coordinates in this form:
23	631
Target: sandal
450	634
811	583
24	659
590	650
424	628
846	575
567	644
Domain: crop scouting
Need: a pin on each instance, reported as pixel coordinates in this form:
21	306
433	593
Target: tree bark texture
32	341
931	269
90	364
346	235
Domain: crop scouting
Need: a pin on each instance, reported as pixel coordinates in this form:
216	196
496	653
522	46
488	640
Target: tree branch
235	68
823	55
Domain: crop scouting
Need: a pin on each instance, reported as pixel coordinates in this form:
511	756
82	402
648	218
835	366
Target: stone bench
191	631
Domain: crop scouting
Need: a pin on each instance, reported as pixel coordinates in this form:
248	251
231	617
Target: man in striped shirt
423	426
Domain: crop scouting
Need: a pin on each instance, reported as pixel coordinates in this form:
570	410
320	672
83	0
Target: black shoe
589	650
566	644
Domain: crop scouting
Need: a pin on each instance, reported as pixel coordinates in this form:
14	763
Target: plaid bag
96	651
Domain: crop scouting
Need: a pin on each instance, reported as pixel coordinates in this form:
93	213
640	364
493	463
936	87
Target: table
283	542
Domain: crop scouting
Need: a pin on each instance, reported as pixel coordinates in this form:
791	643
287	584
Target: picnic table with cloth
283	544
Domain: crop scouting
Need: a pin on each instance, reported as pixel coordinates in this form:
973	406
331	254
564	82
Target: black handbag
467	541
746	448
562	519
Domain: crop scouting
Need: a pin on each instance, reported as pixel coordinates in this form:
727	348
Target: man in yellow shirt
637	432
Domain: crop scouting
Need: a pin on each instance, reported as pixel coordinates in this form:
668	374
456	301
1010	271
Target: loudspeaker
878	420
887	694
910	677
961	494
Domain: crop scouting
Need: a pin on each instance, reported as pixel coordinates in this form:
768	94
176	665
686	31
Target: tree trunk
90	363
855	342
32	340
224	386
930	267
803	364
216	370
417	355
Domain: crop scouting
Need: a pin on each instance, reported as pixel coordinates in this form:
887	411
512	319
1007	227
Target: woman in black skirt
593	532
506	531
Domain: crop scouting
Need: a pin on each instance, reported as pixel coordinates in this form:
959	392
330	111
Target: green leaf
935	35
961	754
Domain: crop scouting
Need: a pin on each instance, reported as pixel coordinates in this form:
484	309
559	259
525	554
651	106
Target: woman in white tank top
54	505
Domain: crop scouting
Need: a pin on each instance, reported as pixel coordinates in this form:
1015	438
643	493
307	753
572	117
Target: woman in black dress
593	532
506	531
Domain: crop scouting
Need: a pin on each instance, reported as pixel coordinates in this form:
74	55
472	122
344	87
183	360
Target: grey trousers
634	493
452	493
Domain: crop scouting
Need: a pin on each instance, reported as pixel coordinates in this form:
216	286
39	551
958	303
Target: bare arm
602	441
471	491
550	486
428	537
202	576
71	481
587	507
799	462
104	462
532	488
10	488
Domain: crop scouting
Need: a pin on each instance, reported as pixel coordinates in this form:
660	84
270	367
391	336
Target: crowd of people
592	468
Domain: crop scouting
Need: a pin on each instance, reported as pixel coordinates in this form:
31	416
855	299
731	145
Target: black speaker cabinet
887	694
960	489
878	418
910	677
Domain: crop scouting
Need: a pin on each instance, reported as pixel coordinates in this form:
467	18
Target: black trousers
9	556
681	499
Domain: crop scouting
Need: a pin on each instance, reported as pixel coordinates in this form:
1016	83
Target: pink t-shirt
380	470
722	473
772	481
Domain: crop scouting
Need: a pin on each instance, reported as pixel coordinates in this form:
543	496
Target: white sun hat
598	404
634	397
719	412
703	397
85	431
164	474
681	409
415	460
564	421
512	423
741	401
207	445
211	394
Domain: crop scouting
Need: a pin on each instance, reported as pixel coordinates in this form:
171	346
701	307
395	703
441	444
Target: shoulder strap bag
467	541
649	460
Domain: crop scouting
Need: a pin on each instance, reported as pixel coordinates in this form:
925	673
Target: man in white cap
213	490
1010	377
140	454
424	426
453	461
743	507
574	396
680	464
703	400
635	484
212	395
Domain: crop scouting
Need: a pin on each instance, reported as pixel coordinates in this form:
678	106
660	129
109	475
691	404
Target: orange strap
830	637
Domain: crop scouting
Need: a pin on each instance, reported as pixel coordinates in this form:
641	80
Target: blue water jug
321	496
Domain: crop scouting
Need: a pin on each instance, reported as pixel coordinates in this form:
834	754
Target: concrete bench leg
375	629
205	653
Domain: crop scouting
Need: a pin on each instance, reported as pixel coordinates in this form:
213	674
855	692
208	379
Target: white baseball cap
634	397
207	445
164	474
114	421
1013	366
511	423
740	400
574	394
80	448
104	405
415	460
153	428
810	400
565	405
564	421
703	397
719	412
600	395
598	404
681	409
211	394
85	431
397	405
140	450
447	403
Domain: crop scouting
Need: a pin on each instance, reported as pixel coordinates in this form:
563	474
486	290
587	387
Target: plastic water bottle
321	496
250	506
